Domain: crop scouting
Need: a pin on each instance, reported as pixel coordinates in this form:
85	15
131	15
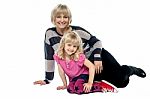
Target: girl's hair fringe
70	37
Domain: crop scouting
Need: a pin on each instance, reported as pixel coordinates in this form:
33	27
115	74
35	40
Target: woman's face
61	21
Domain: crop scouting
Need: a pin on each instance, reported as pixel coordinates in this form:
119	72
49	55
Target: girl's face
61	21
70	48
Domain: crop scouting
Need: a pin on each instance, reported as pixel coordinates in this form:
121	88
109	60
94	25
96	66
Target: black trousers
113	72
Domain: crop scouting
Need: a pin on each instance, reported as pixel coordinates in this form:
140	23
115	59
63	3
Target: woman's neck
60	31
64	30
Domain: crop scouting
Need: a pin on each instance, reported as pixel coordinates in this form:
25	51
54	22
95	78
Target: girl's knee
70	90
79	86
70	87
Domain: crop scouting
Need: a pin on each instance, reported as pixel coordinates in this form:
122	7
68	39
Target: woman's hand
87	87
40	82
98	67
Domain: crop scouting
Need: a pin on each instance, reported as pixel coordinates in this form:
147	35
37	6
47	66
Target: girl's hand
98	66
87	87
61	87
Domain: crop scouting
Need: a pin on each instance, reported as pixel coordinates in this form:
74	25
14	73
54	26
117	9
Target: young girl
80	71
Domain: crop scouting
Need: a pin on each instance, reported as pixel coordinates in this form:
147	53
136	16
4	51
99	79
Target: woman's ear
70	21
54	22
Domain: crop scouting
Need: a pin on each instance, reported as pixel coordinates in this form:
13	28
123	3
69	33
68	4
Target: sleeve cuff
97	57
47	81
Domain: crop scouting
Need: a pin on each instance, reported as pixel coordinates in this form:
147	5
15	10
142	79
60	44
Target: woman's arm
63	78
49	61
91	45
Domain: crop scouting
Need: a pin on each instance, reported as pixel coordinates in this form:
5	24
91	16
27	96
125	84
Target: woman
106	66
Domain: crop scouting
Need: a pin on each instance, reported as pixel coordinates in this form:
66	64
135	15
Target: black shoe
138	71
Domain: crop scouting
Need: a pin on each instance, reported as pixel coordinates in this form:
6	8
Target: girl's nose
71	47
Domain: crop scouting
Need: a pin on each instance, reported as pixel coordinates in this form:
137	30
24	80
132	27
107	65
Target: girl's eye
74	46
69	44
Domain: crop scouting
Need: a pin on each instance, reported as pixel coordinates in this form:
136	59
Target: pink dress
75	69
72	68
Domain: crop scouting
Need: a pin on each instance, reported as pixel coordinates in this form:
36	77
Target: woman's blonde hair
60	9
73	38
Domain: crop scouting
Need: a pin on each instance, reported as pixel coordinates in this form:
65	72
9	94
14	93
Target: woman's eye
58	17
65	17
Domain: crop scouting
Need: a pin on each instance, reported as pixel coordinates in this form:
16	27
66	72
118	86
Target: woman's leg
112	71
116	74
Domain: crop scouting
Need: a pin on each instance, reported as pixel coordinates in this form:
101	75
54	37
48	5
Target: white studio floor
19	84
122	26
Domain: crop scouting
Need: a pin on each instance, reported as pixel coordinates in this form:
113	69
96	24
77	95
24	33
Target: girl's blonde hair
73	38
60	9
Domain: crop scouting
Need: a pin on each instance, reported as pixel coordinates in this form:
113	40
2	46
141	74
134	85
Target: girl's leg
70	87
96	87
103	86
78	86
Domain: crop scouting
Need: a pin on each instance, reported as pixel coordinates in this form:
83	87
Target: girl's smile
70	48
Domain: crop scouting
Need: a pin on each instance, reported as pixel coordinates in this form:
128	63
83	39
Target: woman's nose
62	19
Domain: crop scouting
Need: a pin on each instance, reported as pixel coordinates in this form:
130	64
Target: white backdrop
122	26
